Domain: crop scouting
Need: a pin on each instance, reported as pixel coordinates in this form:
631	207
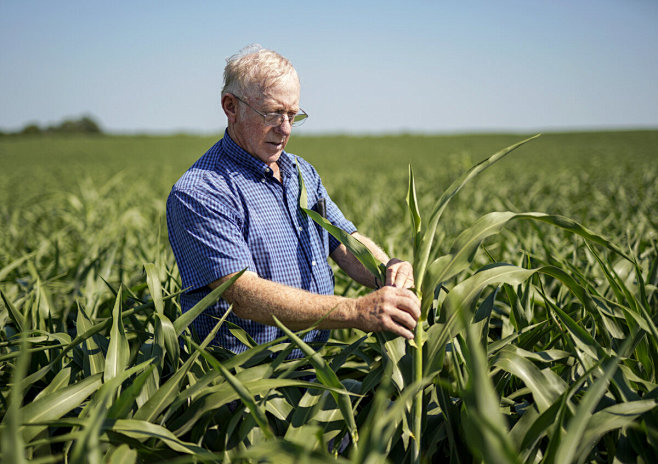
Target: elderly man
237	207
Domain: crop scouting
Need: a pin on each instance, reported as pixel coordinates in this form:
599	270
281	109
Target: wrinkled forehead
260	86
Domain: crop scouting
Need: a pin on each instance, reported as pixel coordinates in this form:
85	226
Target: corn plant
456	317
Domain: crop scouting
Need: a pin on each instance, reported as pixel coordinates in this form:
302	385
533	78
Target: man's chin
271	156
274	150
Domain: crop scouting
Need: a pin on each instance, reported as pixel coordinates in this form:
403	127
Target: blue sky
365	67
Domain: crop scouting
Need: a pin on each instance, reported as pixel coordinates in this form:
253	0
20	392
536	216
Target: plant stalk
419	340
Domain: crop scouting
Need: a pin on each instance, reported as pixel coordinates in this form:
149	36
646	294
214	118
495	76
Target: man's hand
392	309
399	274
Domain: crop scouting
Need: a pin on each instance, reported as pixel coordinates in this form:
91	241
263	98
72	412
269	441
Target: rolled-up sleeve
206	237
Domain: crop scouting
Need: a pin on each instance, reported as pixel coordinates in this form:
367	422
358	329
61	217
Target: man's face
249	130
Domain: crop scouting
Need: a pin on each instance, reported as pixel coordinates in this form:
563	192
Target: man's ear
230	107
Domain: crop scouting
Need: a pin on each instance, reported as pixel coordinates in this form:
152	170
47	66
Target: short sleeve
206	237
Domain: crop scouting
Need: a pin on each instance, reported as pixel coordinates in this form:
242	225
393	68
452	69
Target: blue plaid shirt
228	213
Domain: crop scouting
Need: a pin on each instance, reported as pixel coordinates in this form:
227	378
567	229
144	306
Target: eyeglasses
276	119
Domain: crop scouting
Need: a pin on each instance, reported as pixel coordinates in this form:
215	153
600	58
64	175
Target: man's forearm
259	299
398	273
353	267
373	247
389	309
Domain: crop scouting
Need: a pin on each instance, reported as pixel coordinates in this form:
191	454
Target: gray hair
254	69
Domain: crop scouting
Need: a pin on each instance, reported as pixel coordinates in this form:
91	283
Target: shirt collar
251	163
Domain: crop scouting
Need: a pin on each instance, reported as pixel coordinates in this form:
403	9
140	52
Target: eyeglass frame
279	116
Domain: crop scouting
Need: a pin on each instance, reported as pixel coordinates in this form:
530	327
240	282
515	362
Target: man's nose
285	127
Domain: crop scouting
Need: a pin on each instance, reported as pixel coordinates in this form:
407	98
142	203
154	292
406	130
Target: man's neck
276	172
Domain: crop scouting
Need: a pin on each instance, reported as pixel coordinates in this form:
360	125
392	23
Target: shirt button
299	228
263	180
267	169
313	263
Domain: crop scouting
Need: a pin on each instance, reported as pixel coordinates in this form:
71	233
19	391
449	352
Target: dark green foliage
83	125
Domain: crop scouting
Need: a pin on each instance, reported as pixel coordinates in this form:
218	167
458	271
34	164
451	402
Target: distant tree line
84	125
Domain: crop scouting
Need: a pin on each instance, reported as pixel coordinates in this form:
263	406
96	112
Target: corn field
537	268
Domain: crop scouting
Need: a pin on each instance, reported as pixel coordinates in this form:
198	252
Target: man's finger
410	304
401	278
400	330
390	275
404	319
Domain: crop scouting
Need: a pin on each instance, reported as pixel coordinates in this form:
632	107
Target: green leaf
121	455
168	392
422	253
13	444
463	296
285	452
93	358
14	314
155	288
612	418
4	272
486	430
118	351
257	413
212	398
545	386
123	404
412	204
326	376
143	430
61	379
467	243
86	448
577	425
57	405
395	349
166	338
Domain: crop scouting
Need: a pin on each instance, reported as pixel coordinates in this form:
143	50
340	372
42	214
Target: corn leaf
486	430
93	358
168	392
13	443
14	314
575	429
122	454
422	254
155	288
118	351
143	430
326	376
61	379
166	339
57	405
412	204
257	413
545	388
612	418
